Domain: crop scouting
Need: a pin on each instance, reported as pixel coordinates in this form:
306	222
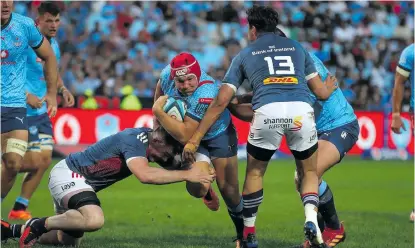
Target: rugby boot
311	233
19	215
213	202
32	231
334	237
250	241
331	237
6	232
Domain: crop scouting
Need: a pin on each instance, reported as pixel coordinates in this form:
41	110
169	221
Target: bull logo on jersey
280	80
33	130
4	54
106	125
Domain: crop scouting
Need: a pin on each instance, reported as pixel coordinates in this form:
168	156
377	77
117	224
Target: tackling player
184	78
18	33
338	131
39	151
74	181
279	70
404	70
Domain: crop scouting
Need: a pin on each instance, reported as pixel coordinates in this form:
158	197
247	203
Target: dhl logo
280	80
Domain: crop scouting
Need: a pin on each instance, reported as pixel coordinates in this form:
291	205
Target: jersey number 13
283	61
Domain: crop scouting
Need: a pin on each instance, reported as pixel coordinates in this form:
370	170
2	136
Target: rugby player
279	70
338	131
184	78
404	70
18	33
74	181
39	151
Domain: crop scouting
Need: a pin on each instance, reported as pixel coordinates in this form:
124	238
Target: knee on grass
93	222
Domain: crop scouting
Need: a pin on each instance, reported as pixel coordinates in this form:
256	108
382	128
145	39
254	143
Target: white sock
249	222
311	215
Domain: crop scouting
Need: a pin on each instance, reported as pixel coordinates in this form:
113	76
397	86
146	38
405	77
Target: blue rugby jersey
17	36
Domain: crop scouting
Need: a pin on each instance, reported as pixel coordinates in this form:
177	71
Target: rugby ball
175	108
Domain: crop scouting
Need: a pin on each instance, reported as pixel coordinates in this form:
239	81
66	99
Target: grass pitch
373	199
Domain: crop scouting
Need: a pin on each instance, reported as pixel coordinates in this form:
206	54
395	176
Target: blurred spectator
106	45
129	100
90	102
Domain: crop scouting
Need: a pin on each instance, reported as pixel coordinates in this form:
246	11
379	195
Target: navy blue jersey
105	162
277	68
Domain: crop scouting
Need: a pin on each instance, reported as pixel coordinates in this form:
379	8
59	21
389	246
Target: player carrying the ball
184	79
282	74
74	181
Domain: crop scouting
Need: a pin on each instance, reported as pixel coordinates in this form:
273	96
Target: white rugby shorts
63	184
294	120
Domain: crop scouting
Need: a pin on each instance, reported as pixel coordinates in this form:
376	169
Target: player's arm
321	90
242	111
403	70
244	98
151	175
50	70
68	98
212	114
157	93
181	131
398	90
241	107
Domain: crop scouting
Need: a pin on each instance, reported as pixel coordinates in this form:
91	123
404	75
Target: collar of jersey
265	33
8	22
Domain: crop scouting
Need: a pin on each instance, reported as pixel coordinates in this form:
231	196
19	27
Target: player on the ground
404	70
184	78
74	181
18	34
39	151
279	70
